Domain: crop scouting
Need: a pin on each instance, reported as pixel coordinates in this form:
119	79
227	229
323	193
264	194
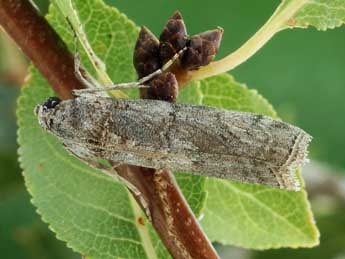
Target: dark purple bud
173	37
202	48
164	87
146	53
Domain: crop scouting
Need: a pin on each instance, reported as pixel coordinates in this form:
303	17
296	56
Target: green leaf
322	14
93	213
222	91
248	215
332	243
23	235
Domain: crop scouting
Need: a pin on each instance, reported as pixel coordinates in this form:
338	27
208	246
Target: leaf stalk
278	21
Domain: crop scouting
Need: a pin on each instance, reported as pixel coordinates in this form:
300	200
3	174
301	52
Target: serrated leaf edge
312	241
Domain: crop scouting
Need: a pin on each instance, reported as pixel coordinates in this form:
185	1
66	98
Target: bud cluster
150	54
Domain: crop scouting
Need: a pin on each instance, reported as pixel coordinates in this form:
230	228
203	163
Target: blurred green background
301	72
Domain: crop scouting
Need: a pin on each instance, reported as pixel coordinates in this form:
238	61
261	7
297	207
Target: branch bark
171	216
41	44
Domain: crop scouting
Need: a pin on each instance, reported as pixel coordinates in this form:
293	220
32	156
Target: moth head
42	111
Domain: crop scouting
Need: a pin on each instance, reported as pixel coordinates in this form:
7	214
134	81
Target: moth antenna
85	78
79	92
164	68
138	84
173	59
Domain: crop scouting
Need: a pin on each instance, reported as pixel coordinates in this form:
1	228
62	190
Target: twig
171	215
41	44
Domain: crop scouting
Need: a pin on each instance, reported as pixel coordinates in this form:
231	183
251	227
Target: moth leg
80	72
84	77
113	173
110	169
138	84
132	188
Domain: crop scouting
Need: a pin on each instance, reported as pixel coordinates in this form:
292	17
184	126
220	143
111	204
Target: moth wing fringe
298	156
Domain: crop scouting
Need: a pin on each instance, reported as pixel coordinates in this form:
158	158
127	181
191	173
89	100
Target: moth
206	141
161	134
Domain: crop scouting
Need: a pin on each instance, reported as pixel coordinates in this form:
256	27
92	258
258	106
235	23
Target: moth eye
51	102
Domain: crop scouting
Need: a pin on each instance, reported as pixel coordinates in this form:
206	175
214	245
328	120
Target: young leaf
242	214
322	14
93	213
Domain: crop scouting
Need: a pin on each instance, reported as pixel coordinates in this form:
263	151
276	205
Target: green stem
277	22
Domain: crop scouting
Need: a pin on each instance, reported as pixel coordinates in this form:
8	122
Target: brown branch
41	44
170	213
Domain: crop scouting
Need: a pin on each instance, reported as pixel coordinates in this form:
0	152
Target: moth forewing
201	140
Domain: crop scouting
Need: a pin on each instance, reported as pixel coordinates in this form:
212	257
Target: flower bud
146	53
173	37
163	87
202	48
